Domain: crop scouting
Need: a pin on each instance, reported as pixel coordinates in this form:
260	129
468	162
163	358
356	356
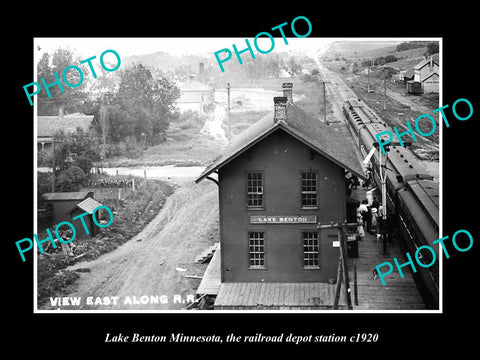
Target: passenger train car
412	194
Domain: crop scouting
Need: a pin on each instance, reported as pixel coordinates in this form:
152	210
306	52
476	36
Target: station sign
283	219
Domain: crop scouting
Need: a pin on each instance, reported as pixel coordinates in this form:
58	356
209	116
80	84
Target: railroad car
412	194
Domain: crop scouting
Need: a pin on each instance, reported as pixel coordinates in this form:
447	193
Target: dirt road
214	125
155	262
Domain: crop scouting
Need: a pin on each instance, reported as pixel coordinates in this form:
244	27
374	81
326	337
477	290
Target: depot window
256	249
310	250
255	190
309	190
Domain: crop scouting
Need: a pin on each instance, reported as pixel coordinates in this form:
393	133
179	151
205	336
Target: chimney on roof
287	91
201	71
280	109
60	112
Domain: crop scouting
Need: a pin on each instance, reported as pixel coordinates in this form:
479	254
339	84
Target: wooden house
425	68
277	180
195	96
430	83
425	77
47	126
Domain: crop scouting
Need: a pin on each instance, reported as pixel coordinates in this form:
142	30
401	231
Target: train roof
406	164
427	192
427	224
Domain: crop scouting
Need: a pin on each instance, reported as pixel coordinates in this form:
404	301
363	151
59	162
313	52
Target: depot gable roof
312	132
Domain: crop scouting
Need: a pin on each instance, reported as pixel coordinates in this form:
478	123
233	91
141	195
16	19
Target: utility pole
342	274
383	178
325	102
53	166
228	111
368	76
385	94
368	80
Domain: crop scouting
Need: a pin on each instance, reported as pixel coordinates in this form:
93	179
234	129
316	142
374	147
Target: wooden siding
431	84
281	158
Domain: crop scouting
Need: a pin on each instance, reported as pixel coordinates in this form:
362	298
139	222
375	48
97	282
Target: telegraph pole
383	178
325	101
228	110
385	93
368	80
342	274
53	165
368	76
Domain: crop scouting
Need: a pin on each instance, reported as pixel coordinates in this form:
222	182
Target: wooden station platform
211	280
397	294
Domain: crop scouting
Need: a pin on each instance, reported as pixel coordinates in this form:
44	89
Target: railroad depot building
277	180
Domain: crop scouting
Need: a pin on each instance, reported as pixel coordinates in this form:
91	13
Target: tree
71	179
433	48
47	67
149	102
390	58
76	149
293	68
122	123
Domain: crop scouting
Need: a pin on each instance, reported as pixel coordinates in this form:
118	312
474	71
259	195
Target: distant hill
172	66
157	60
361	51
360	48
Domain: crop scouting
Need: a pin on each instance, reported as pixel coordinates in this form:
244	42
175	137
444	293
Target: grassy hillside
360	48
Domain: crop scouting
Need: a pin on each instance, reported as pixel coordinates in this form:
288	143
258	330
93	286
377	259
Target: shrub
83	162
71	179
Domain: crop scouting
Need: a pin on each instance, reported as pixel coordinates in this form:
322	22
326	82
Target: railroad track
338	90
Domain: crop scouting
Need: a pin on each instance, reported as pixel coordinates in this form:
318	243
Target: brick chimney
287	91
280	109
60	112
201	71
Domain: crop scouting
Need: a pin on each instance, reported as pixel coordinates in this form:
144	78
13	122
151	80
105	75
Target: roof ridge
299	124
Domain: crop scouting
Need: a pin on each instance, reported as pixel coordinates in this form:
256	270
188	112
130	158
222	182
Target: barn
277	180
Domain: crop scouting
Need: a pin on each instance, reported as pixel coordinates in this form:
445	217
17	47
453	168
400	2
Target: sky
87	47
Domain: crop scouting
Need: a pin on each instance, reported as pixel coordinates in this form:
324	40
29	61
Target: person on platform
366	215
374	222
